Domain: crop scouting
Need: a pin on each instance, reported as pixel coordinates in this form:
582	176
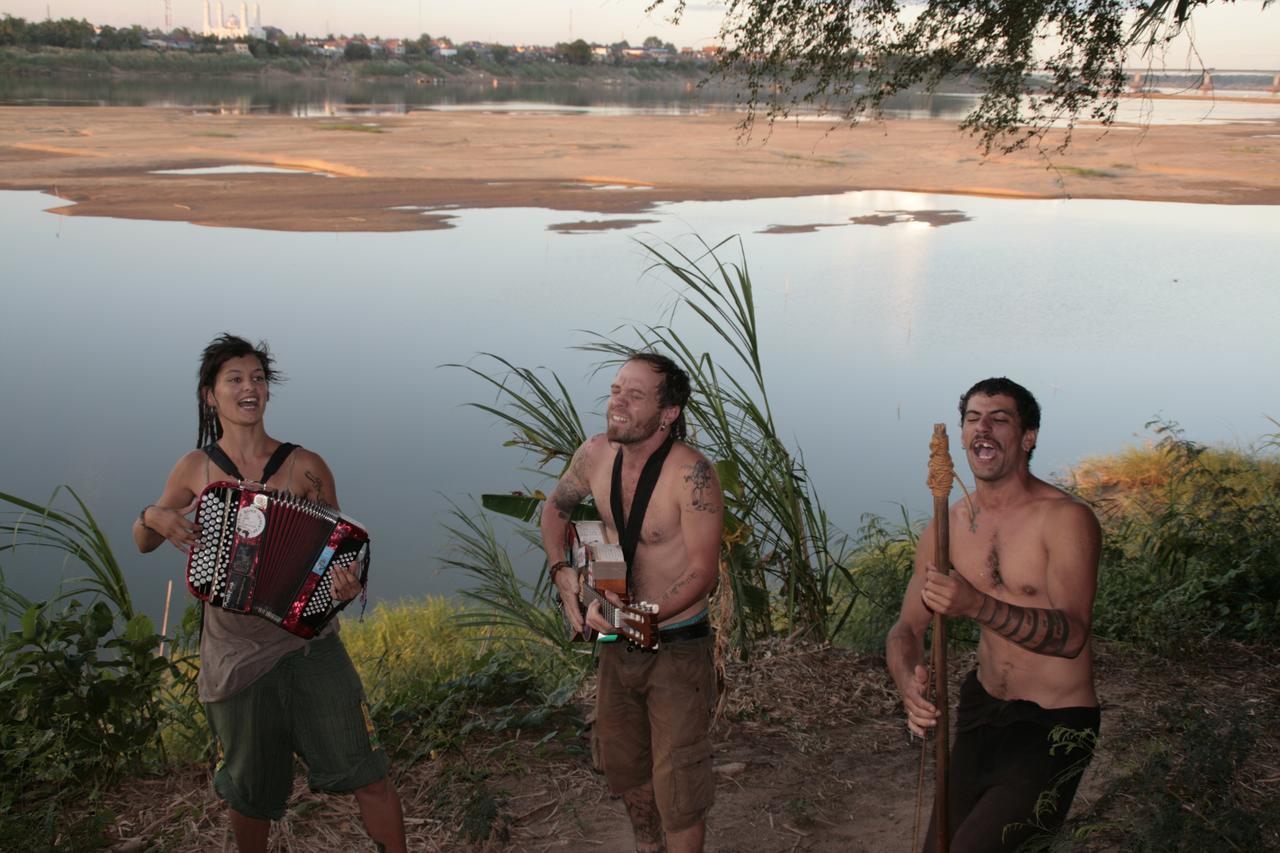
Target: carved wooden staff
941	474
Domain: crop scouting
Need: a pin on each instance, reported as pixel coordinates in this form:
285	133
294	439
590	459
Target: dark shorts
653	716
311	703
1003	762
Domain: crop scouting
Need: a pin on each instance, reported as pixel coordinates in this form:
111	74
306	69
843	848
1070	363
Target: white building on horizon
233	26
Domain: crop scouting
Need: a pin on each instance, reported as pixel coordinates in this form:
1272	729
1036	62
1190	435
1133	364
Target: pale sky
1228	35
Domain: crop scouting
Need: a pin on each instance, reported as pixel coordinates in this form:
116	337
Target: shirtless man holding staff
1025	555
653	709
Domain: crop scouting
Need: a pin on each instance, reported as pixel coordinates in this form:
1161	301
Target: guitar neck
607	609
637	623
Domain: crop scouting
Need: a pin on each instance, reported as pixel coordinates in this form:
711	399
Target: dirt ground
412	172
811	755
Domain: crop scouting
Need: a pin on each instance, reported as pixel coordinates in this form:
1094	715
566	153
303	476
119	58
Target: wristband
563	564
142	519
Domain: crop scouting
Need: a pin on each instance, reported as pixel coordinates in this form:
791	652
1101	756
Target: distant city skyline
1227	35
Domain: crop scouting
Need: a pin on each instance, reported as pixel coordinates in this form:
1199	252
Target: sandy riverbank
384	171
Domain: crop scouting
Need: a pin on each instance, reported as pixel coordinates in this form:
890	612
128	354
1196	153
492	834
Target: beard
633	432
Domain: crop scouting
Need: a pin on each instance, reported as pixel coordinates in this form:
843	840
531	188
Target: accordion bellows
272	555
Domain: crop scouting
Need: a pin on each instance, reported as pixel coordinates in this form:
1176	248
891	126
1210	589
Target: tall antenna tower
168	16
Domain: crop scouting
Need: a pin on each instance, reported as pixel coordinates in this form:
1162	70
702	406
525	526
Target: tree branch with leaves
1037	64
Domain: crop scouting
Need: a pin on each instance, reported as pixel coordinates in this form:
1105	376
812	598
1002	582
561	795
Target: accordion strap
629	527
223	461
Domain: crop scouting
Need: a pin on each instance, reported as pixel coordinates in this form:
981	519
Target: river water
326	96
1112	312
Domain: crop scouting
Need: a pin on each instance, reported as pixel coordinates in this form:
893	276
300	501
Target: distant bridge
1203	78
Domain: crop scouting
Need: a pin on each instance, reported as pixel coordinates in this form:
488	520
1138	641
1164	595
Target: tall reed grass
782	556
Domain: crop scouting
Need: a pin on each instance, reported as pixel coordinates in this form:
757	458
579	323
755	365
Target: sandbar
409	172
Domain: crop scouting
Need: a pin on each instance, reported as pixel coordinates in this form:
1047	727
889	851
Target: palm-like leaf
77	536
505	601
544	418
777	536
733	422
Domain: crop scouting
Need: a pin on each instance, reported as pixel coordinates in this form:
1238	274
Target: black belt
696	631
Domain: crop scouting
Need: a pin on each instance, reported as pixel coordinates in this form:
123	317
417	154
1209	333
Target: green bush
81	690
867	599
380	68
1191	545
403	650
435	672
82	685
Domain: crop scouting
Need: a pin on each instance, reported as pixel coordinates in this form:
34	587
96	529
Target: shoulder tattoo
571	489
316	492
701	482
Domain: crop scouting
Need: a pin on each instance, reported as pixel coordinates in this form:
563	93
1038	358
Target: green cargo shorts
311	703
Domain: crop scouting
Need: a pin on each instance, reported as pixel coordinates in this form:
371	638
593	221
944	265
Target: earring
662	427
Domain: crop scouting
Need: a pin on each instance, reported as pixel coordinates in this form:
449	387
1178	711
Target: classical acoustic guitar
601	568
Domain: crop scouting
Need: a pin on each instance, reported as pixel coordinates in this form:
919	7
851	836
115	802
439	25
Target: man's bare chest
661	520
1002	559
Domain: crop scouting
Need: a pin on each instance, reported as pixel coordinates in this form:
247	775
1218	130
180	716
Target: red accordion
272	554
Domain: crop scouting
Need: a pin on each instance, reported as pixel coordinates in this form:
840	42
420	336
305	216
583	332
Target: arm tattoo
316	492
571	489
566	496
680	584
698	476
1039	630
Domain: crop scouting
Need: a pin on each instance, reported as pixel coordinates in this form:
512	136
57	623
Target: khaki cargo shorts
653	717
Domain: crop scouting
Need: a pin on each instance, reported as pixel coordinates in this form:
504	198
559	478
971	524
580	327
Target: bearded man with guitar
660	500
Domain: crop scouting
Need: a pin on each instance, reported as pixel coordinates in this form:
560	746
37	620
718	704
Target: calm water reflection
324	96
303	96
1112	312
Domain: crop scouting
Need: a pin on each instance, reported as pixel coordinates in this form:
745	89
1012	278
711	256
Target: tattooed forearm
673	590
704	496
1037	629
316	492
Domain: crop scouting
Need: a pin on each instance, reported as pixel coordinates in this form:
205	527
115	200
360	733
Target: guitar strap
629	527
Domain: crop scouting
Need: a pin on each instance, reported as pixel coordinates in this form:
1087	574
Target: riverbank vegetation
76	47
58	61
469	695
